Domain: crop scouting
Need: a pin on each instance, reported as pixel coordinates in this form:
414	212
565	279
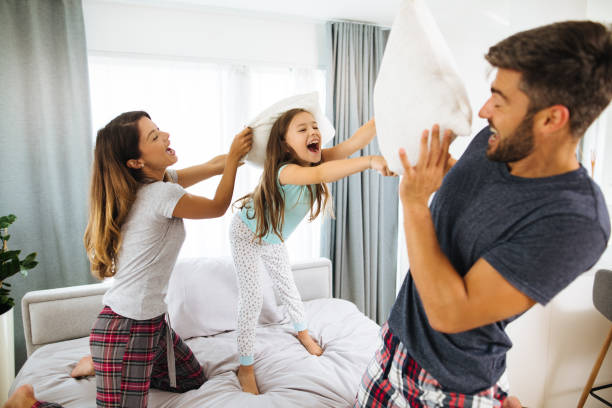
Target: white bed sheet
287	375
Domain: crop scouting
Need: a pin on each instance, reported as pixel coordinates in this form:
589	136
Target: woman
134	234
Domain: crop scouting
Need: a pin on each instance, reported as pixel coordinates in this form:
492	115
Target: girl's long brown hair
268	200
113	190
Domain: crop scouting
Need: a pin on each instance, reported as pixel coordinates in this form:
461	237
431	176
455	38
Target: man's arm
452	303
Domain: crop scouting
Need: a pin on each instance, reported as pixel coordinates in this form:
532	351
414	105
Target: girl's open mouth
313	147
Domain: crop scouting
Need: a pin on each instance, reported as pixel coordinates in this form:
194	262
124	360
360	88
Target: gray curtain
45	139
362	239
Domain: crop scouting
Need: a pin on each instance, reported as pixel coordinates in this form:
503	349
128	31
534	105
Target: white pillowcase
417	86
202	297
262	123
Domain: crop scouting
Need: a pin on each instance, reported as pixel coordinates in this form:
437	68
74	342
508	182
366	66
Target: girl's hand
241	145
421	181
379	164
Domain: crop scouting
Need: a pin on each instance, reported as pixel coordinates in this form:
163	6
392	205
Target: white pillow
262	123
202	297
417	86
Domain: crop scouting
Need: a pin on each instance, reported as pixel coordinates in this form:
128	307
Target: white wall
197	33
555	348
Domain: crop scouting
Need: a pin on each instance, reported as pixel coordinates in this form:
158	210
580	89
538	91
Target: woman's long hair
268	200
113	190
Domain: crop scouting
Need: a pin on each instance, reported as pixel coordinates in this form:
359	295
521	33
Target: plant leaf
7	220
8	254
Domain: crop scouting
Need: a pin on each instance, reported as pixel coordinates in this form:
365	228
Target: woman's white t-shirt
151	240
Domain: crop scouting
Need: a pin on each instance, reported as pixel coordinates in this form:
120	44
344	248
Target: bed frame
54	315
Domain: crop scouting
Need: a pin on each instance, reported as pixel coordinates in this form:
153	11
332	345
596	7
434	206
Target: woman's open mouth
170	151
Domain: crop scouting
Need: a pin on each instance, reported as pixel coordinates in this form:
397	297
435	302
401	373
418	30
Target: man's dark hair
567	63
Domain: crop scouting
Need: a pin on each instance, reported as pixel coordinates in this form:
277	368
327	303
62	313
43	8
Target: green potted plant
10	264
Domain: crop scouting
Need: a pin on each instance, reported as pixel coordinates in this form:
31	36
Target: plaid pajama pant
394	380
130	357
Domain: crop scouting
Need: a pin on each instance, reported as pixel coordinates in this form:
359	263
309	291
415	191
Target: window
202	106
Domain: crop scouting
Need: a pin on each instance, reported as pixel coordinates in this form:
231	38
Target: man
514	221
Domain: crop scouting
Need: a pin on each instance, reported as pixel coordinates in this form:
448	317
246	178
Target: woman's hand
217	163
379	164
241	145
421	181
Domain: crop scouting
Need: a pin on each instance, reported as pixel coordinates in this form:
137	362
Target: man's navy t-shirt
538	233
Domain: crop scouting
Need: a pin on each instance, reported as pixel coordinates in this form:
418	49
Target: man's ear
554	118
134	164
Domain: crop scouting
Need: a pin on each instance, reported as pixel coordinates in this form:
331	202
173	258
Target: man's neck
547	161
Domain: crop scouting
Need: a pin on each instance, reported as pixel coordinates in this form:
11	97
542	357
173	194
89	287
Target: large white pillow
202	297
262	123
417	86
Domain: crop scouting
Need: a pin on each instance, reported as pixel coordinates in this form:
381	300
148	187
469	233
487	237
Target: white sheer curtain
593	146
202	106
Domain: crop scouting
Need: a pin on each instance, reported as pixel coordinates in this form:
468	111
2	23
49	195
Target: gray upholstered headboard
54	315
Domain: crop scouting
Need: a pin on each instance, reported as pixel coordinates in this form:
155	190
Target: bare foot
512	402
23	397
246	376
309	343
84	368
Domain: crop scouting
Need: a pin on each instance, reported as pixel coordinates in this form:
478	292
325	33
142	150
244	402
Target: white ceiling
379	12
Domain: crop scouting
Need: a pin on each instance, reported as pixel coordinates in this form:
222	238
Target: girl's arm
196	207
192	175
332	171
362	137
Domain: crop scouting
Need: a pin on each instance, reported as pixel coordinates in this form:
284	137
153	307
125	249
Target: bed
201	302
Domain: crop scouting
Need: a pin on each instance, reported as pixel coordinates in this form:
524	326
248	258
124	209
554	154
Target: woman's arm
192	175
332	171
362	137
196	207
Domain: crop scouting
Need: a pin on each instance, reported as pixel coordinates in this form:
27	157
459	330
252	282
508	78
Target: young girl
293	184
134	234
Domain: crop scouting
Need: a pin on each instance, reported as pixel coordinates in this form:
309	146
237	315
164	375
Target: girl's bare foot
84	368
309	343
23	397
246	376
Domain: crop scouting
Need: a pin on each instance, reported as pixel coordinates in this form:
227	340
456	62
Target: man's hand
421	181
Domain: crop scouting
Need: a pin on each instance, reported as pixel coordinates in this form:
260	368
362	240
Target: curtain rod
384	27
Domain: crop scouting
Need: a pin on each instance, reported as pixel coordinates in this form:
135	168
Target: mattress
287	375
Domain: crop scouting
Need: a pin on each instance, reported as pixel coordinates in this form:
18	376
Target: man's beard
516	146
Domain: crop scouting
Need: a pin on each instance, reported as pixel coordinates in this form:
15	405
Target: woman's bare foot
246	376
84	368
512	402
309	343
23	397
